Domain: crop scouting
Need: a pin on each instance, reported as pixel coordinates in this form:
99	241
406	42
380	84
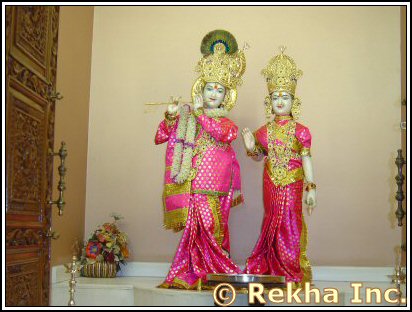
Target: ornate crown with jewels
222	62
282	73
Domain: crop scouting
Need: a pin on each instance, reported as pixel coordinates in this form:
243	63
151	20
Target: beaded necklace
182	170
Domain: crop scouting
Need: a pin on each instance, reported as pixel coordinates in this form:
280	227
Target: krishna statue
284	144
202	178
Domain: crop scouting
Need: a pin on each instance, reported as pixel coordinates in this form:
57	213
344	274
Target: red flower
110	257
101	238
108	227
93	249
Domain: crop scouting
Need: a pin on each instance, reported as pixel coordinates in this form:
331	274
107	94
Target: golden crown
281	73
222	62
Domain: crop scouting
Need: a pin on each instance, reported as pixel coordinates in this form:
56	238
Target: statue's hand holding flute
173	108
173	105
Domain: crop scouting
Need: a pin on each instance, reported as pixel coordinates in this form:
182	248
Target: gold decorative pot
99	269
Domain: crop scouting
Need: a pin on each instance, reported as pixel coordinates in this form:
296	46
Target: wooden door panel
31	41
26	157
22	285
31	57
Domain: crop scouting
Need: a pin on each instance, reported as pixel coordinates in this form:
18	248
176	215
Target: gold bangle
310	186
169	116
256	151
252	154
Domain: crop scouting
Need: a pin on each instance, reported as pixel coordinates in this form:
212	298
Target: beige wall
72	116
350	92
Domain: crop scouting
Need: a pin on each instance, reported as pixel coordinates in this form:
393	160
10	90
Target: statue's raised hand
198	102
172	108
248	139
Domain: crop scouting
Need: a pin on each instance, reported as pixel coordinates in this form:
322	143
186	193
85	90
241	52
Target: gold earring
296	108
268	108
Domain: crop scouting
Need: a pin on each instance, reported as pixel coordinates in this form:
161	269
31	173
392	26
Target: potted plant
105	250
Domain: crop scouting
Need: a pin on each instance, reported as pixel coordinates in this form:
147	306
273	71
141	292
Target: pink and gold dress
201	205
281	247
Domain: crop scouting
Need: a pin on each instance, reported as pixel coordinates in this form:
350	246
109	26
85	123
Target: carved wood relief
54	42
23	237
27	78
32	41
31	31
45	266
22	285
25	157
31	57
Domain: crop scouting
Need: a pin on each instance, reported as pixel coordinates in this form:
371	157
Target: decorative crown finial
246	46
282	73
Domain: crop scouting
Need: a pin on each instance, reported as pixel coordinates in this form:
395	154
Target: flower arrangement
106	244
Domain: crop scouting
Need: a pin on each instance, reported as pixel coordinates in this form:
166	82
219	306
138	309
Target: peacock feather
218	36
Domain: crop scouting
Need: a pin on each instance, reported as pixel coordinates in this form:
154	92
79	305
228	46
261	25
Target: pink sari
281	247
202	206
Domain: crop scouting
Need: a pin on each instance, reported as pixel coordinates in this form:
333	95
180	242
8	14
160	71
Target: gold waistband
291	176
176	189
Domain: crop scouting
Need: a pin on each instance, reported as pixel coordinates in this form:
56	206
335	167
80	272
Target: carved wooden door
31	56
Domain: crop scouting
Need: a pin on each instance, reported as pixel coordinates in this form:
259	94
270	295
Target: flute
169	103
152	105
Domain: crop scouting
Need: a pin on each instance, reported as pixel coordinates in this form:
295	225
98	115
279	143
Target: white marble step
139	288
142	291
320	273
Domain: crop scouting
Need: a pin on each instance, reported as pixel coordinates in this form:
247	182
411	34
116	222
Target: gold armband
256	151
305	151
170	119
169	116
310	186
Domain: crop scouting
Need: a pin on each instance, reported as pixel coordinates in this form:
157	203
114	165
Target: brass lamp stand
73	268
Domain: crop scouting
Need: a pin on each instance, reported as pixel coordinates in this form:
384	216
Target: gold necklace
279	155
283	117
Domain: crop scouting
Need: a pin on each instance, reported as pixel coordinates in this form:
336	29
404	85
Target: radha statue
202	178
285	146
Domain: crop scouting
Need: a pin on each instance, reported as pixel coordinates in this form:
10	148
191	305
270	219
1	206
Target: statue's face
213	94
281	103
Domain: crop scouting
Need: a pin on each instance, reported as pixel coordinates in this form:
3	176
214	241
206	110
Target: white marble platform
139	288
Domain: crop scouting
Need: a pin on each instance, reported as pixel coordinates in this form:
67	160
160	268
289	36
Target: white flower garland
177	153
183	152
